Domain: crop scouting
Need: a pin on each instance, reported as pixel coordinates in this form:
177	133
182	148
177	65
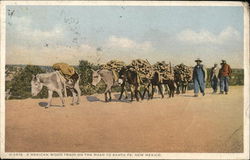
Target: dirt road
213	123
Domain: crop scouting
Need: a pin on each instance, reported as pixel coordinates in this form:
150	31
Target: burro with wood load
109	74
182	75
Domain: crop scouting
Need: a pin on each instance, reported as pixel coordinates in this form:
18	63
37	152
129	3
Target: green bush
20	85
237	77
85	69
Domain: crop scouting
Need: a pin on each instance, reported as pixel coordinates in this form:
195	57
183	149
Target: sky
44	35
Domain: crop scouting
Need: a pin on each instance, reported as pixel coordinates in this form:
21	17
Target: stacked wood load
142	67
184	72
114	65
165	70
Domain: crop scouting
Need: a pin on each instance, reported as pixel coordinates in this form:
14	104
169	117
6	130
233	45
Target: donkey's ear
33	77
37	78
98	71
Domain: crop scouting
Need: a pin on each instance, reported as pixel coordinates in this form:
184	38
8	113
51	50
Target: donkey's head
36	85
122	75
96	77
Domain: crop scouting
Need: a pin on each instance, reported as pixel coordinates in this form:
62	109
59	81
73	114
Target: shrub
20	86
237	77
85	69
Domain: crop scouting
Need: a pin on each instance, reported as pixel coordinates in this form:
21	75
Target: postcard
124	80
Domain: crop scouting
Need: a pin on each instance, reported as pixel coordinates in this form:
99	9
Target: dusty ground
212	123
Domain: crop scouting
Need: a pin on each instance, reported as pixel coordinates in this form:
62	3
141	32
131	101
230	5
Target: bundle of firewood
113	65
184	72
165	70
143	67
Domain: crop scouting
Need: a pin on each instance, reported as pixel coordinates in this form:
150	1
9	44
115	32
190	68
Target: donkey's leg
132	92
144	92
123	87
159	87
148	90
65	89
163	89
78	95
78	90
110	98
185	89
136	93
126	92
182	88
106	97
149	95
61	97
153	90
178	89
108	88
173	88
50	92
170	89
73	96
140	91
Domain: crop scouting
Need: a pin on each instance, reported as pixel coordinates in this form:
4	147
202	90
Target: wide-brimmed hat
198	60
223	61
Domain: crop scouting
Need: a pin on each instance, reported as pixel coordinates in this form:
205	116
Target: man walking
199	78
225	73
214	77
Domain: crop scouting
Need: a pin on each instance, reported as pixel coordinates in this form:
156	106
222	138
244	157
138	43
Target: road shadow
117	95
123	99
95	99
44	104
129	98
92	99
115	98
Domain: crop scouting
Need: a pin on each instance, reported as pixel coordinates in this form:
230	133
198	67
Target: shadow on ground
92	99
44	104
115	98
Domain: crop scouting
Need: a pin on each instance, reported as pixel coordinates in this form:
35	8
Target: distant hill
12	67
15	67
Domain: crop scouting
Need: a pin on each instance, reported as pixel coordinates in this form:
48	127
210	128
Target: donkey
132	78
109	79
55	82
181	84
157	81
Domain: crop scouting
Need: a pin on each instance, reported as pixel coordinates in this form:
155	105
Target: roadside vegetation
19	87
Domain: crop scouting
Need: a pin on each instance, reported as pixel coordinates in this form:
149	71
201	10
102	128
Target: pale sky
43	35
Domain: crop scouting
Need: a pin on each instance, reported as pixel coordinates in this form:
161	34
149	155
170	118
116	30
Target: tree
85	69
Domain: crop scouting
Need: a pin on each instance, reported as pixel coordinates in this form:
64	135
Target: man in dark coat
214	77
225	73
199	78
